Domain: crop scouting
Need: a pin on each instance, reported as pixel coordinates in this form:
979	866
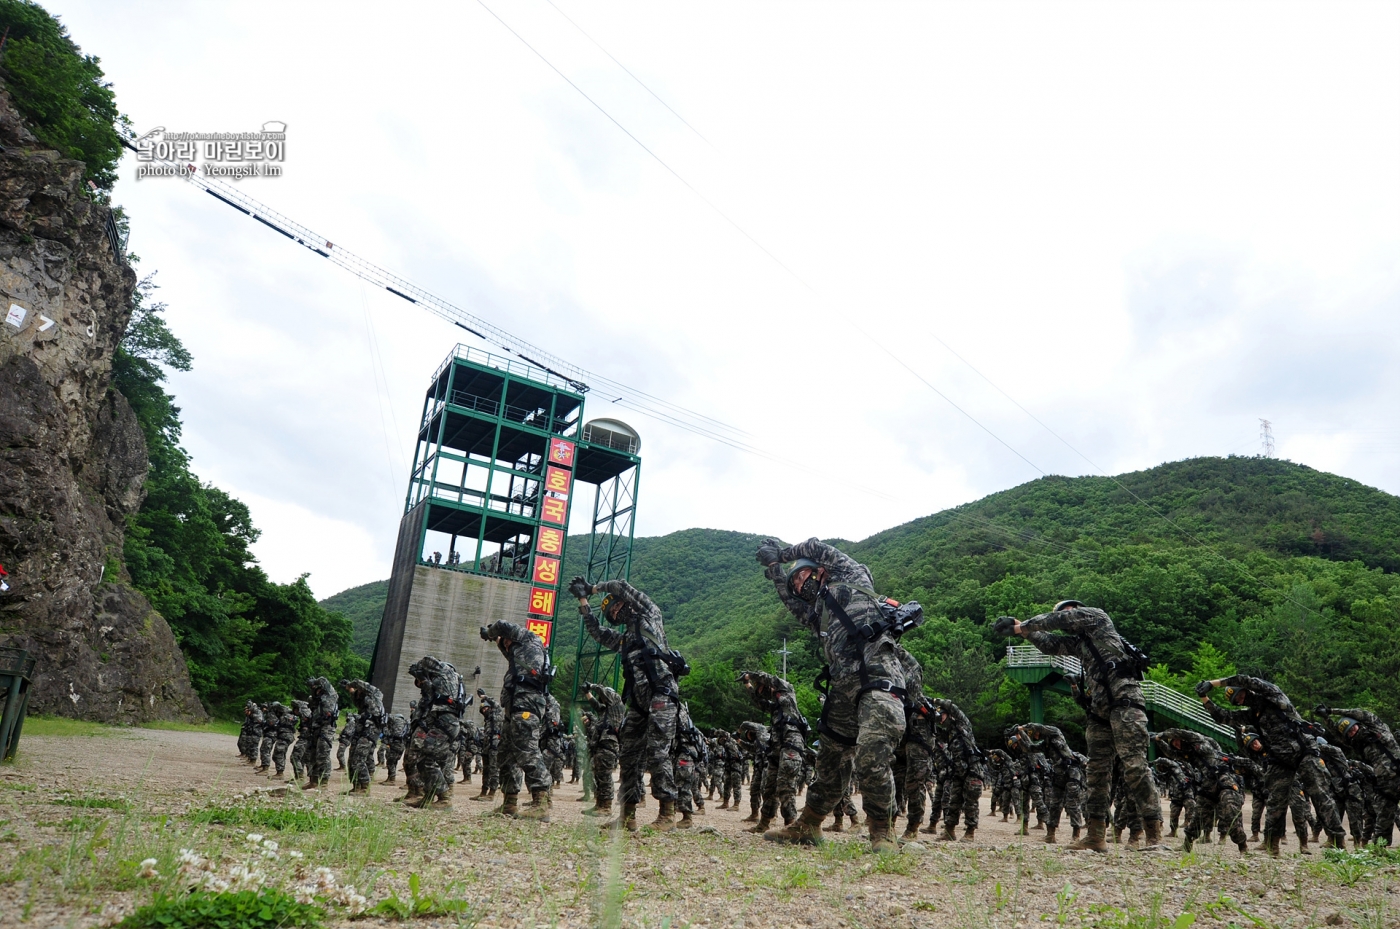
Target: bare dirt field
80	816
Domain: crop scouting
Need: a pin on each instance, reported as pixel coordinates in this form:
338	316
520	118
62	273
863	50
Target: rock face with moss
72	456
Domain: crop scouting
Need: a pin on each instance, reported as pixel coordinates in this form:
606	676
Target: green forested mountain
1209	564
363	606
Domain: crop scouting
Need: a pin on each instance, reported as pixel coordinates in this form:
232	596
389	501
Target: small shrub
244	909
93	803
418	904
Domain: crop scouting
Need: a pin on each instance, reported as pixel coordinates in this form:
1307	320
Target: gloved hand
484	636
579	588
1204	688
767	553
1322	710
1004	626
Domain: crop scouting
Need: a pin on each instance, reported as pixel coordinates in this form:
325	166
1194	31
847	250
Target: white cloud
1151	224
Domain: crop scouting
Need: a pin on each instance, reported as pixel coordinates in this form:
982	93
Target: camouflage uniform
1031	769
1180	790
527	713
690	755
268	737
809	766
1350	809
301	711
324	705
863	715
753	742
603	748
285	731
492	722
920	749
1075	792
1117	723
410	755
731	791
1064	766
1268	711
370	720
250	735
787	742
649	693
1218	794
1377	745
552	741
965	777
1006	784
395	738
347	738
468	747
441	700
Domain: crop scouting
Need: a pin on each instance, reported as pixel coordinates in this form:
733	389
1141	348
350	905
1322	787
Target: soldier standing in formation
369	723
395	739
1363	731
492	722
863	716
649	669
441	701
1117	723
1180	792
301	711
787	741
1269	712
1064	765
324	704
524	700
1218	795
607	716
690	756
285	732
965	778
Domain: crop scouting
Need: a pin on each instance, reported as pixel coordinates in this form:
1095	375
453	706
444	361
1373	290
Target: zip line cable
867	334
629	72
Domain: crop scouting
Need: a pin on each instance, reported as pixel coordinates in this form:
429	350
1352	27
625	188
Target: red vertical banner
557	480
546	571
551	541
561	452
555	510
542	628
542	601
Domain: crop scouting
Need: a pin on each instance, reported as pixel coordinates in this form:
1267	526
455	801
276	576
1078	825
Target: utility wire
629	72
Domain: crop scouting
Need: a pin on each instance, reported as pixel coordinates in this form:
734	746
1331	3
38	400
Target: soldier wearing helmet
1117	723
650	669
1264	708
324	705
1365	732
863	716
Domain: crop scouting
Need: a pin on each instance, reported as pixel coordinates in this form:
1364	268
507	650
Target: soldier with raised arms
650	693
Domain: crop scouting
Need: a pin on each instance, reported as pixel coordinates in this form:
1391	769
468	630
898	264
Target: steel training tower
500	447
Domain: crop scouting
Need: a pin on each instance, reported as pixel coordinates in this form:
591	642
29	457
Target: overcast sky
1145	225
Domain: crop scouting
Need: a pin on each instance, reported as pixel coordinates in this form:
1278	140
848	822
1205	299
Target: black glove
579	588
1004	626
1322	710
767	553
1204	688
484	636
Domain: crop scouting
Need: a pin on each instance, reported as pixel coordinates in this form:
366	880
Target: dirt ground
79	814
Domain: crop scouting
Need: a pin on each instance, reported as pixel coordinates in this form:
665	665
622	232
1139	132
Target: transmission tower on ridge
1266	436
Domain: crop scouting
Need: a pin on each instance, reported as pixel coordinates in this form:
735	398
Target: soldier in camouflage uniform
733	771
525	700
1177	780
251	733
608	716
1117	725
965	778
1269	712
1075	792
650	692
301	714
863	715
552	741
267	739
441	701
468	745
1064	765
285	731
1365	732
753	741
1339	774
1031	770
571	758
369	723
1006	784
395	739
1217	787
809	767
845	807
324	705
690	755
492	722
412	780
347	738
787	741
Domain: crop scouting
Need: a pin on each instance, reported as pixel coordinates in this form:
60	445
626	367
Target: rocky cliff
72	455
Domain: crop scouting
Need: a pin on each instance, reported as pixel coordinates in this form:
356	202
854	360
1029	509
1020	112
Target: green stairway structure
1166	708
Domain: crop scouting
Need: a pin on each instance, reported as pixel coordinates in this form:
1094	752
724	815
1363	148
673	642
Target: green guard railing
16	668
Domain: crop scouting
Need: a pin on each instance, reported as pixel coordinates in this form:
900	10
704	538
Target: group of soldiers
878	734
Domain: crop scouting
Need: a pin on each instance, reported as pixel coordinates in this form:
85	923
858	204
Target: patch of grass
216	726
893	863
62	726
1349	868
420	904
9	785
1112	917
244	909
282	819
